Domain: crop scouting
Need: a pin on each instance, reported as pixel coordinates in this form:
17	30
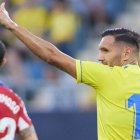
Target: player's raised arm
43	49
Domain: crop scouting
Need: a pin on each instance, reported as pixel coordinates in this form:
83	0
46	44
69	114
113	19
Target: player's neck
132	62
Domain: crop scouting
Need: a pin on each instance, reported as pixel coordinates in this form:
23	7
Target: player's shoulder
5	90
90	63
96	65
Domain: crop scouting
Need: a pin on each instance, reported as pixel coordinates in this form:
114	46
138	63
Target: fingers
2	5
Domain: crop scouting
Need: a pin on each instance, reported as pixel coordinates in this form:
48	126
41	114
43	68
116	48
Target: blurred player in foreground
13	115
116	80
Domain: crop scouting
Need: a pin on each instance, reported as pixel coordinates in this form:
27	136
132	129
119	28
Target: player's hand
5	20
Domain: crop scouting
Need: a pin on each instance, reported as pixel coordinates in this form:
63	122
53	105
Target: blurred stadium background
61	109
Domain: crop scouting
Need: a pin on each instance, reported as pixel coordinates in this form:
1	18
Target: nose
100	57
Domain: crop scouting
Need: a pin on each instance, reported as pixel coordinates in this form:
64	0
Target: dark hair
124	35
2	51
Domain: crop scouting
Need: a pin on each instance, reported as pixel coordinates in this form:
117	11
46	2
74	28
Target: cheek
109	57
116	59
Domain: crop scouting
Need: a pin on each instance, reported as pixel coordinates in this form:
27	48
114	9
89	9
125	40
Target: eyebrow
103	48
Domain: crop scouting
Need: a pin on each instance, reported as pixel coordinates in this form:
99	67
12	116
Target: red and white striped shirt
13	114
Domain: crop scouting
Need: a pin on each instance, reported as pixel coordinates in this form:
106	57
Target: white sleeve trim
22	124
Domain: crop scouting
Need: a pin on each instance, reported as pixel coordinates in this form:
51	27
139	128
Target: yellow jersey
118	98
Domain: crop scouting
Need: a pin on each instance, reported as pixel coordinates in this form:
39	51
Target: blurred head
2	53
119	47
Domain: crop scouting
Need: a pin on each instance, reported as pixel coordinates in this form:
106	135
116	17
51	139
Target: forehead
107	41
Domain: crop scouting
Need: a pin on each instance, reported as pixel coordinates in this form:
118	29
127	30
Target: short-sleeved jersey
13	114
118	98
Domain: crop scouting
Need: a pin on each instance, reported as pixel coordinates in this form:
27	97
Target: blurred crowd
68	24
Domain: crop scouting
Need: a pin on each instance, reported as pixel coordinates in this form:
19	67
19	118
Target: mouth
104	63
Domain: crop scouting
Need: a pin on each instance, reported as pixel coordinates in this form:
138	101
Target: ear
126	53
3	62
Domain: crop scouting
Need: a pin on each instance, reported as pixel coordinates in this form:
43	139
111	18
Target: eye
104	50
